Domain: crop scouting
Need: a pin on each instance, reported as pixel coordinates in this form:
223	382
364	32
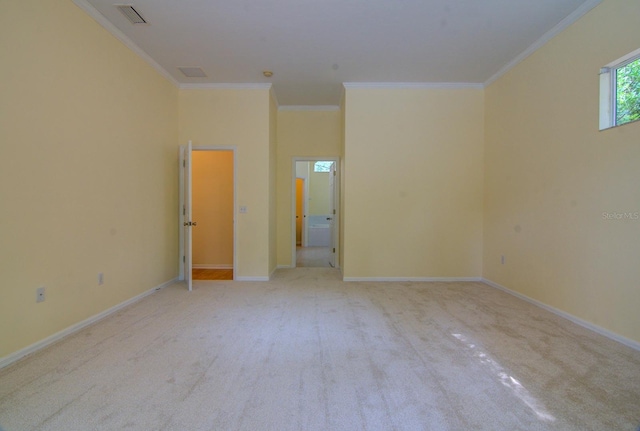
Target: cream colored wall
413	182
240	118
302	133
550	176
273	166
88	171
212	208
302	170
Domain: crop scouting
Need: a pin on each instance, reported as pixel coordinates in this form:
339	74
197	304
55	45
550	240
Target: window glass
322	167
620	91
628	92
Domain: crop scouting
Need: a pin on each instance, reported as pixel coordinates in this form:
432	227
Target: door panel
186	222
332	216
299	209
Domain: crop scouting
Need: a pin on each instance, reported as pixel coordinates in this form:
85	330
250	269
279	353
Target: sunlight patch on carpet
507	380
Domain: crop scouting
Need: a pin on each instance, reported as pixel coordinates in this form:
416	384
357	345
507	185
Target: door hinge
184	210
184	163
334	173
334	212
184	259
334	249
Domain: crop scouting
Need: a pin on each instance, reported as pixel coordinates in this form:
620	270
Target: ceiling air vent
192	72
132	15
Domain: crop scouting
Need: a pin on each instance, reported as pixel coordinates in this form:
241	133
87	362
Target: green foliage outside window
628	93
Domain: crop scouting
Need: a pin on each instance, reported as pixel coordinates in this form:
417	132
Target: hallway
313	257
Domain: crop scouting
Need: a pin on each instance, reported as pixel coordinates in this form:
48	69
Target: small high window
620	91
322	166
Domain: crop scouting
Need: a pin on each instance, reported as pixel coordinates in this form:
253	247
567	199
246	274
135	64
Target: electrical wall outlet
100	278
40	294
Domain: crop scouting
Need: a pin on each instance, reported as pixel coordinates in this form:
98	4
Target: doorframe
233	149
336	199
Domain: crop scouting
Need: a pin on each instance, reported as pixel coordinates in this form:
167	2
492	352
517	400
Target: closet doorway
213	211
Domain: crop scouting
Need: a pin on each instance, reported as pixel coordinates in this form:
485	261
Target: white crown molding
104	22
226	86
414	85
588	325
416	279
309	108
559	28
275	97
7	360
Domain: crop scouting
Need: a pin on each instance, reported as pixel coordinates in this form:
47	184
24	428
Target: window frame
608	90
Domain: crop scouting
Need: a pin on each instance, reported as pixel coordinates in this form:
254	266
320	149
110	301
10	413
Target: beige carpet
313	257
306	351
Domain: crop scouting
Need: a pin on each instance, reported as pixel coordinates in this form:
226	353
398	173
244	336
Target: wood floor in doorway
212	274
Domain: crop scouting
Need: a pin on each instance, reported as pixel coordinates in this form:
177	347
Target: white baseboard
585	324
7	360
212	266
251	278
418	279
284	267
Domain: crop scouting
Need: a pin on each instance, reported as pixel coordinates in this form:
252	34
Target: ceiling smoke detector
267	73
132	15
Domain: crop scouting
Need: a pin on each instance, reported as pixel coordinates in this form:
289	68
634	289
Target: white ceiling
313	46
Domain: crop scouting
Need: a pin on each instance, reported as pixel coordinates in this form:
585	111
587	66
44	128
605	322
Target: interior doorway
207	209
314	213
212	200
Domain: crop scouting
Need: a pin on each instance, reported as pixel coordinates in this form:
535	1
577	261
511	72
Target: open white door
186	223
332	217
